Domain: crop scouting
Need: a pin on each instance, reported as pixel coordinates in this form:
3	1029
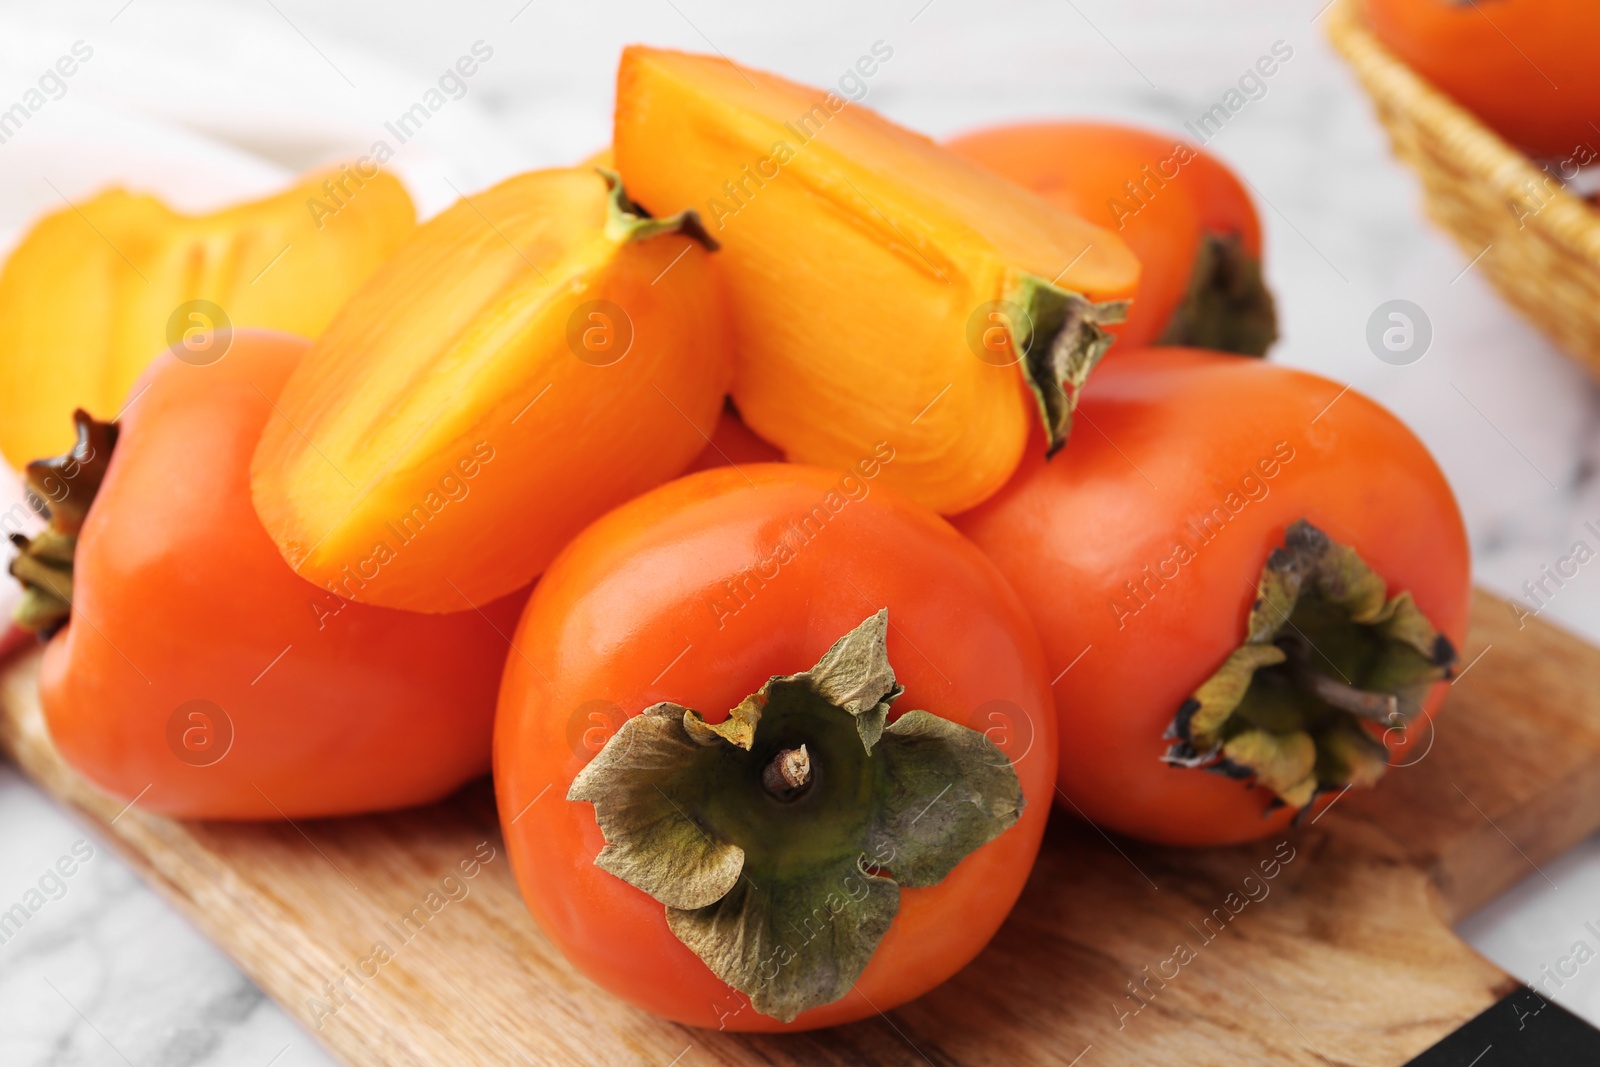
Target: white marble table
208	101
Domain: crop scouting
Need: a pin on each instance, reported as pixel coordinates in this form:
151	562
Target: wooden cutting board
1345	956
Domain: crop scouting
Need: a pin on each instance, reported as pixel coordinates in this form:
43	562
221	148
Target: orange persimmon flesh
521	365
867	271
89	296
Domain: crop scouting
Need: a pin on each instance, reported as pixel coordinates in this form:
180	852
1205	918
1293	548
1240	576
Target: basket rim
1471	144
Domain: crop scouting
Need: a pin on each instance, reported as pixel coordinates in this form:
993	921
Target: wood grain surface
1118	953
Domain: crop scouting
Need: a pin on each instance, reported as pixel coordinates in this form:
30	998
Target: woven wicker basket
1543	242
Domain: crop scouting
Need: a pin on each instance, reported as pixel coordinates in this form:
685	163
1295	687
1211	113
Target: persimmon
733	445
536	354
1244	569
97	290
879	287
1182	211
854	830
190	668
1525	67
13	639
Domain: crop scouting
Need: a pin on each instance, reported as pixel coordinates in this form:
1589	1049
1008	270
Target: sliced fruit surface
879	287
535	355
97	290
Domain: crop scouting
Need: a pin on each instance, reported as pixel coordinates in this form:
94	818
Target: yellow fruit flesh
457	356
441	331
86	299
856	255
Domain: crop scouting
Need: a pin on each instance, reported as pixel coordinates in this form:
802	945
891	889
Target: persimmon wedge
535	355
879	287
97	290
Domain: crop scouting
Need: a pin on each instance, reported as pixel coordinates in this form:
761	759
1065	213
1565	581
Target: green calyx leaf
1060	339
62	488
627	221
779	839
1227	307
1328	658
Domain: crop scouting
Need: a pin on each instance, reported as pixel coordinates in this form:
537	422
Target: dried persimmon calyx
779	839
1329	661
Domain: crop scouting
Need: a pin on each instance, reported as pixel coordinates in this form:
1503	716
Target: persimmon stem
629	221
1381	708
1228	307
1060	340
788	773
1328	655
63	489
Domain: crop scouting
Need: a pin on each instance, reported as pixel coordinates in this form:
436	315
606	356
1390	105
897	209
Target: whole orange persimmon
854	830
196	672
1525	67
1186	216
1250	585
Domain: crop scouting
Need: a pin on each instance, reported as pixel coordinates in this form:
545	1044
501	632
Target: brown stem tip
1381	708
789	772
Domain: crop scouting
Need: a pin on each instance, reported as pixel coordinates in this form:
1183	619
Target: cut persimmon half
535	355
98	289
881	290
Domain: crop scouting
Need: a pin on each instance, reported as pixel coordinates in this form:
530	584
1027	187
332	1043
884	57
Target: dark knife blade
1522	1029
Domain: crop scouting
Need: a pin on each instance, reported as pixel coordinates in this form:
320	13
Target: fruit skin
13	639
1201	426
181	596
1525	67
733	445
635	611
452	428
1180	194
86	298
861	261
